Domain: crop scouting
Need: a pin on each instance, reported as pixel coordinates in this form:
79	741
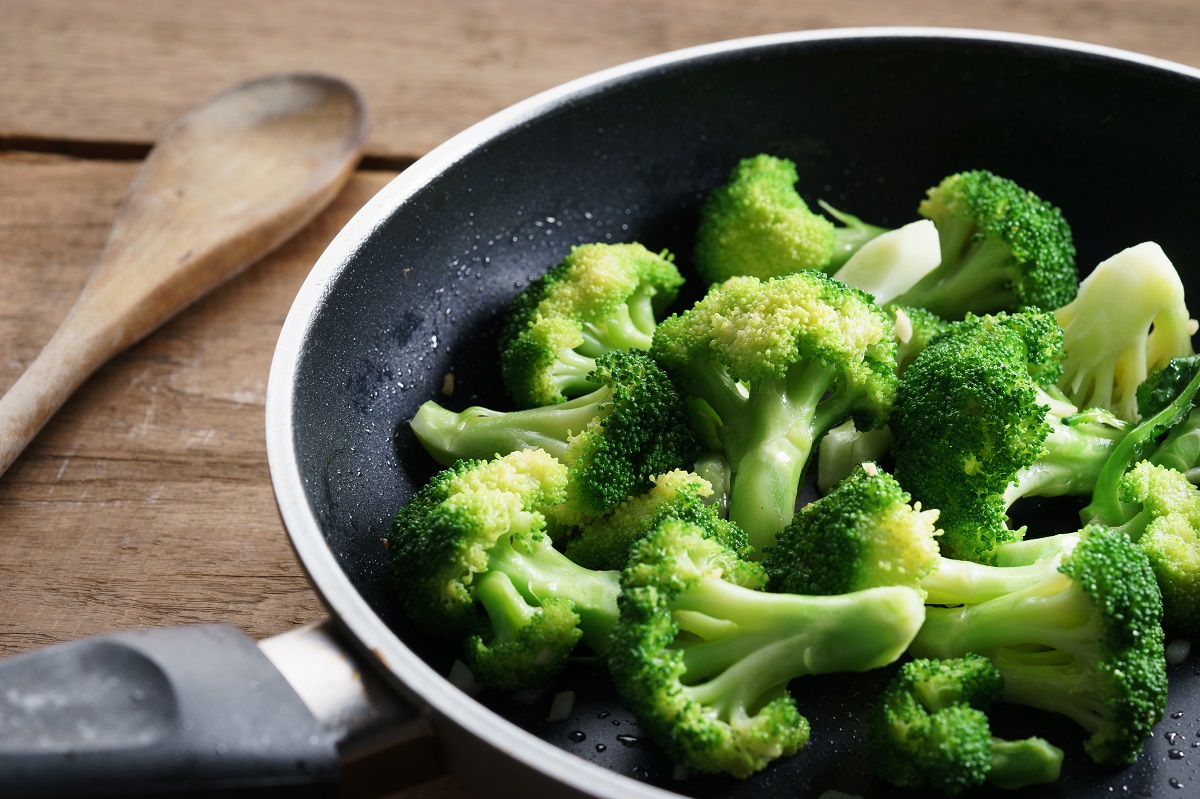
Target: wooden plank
120	72
162	452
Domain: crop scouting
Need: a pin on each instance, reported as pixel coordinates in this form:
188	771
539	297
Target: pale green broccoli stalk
604	542
1128	320
1002	249
890	264
915	329
757	224
845	447
930	730
776	364
473	564
613	440
598	299
703	659
1165	523
978	424
1086	641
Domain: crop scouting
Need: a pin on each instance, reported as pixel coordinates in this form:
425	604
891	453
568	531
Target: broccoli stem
972	276
1053	613
478	432
1049	682
631	326
507	610
1015	764
959	582
767	639
770	444
1077	448
545	572
571	373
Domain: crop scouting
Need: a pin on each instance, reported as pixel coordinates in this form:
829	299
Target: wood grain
147	501
122	71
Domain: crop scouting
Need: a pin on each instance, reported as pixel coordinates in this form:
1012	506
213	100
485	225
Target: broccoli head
930	730
773	365
978	424
604	542
1164	521
702	658
1128	320
1003	249
471	557
599	298
613	440
757	224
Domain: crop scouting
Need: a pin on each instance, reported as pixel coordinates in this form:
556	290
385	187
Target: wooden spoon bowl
227	183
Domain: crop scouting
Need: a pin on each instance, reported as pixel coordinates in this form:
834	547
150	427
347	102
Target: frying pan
409	292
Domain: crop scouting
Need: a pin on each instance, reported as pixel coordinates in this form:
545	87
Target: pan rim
330	581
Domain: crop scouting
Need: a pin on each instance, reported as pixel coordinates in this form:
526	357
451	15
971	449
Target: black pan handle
188	710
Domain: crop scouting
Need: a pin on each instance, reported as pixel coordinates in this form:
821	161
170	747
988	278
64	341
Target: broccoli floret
892	263
1003	249
930	730
777	363
1072	621
1128	320
604	543
599	298
613	440
757	224
1166	526
702	659
978	424
1085	641
472	560
867	532
845	446
1166	402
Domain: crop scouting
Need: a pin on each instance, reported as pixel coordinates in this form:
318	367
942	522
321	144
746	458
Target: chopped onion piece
561	706
461	678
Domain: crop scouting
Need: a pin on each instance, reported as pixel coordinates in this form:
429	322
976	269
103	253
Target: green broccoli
472	560
1128	320
1166	526
776	364
1003	249
867	532
757	224
614	439
702	658
599	298
845	446
978	423
604	542
930	730
1072	621
1166	402
1086	641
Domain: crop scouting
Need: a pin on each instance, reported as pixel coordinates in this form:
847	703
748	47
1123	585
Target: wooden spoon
227	183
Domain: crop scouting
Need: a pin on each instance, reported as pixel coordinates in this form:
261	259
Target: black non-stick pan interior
871	124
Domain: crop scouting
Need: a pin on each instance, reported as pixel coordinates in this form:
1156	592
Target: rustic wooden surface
147	501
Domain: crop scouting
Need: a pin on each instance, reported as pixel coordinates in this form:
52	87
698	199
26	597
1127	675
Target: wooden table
146	501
